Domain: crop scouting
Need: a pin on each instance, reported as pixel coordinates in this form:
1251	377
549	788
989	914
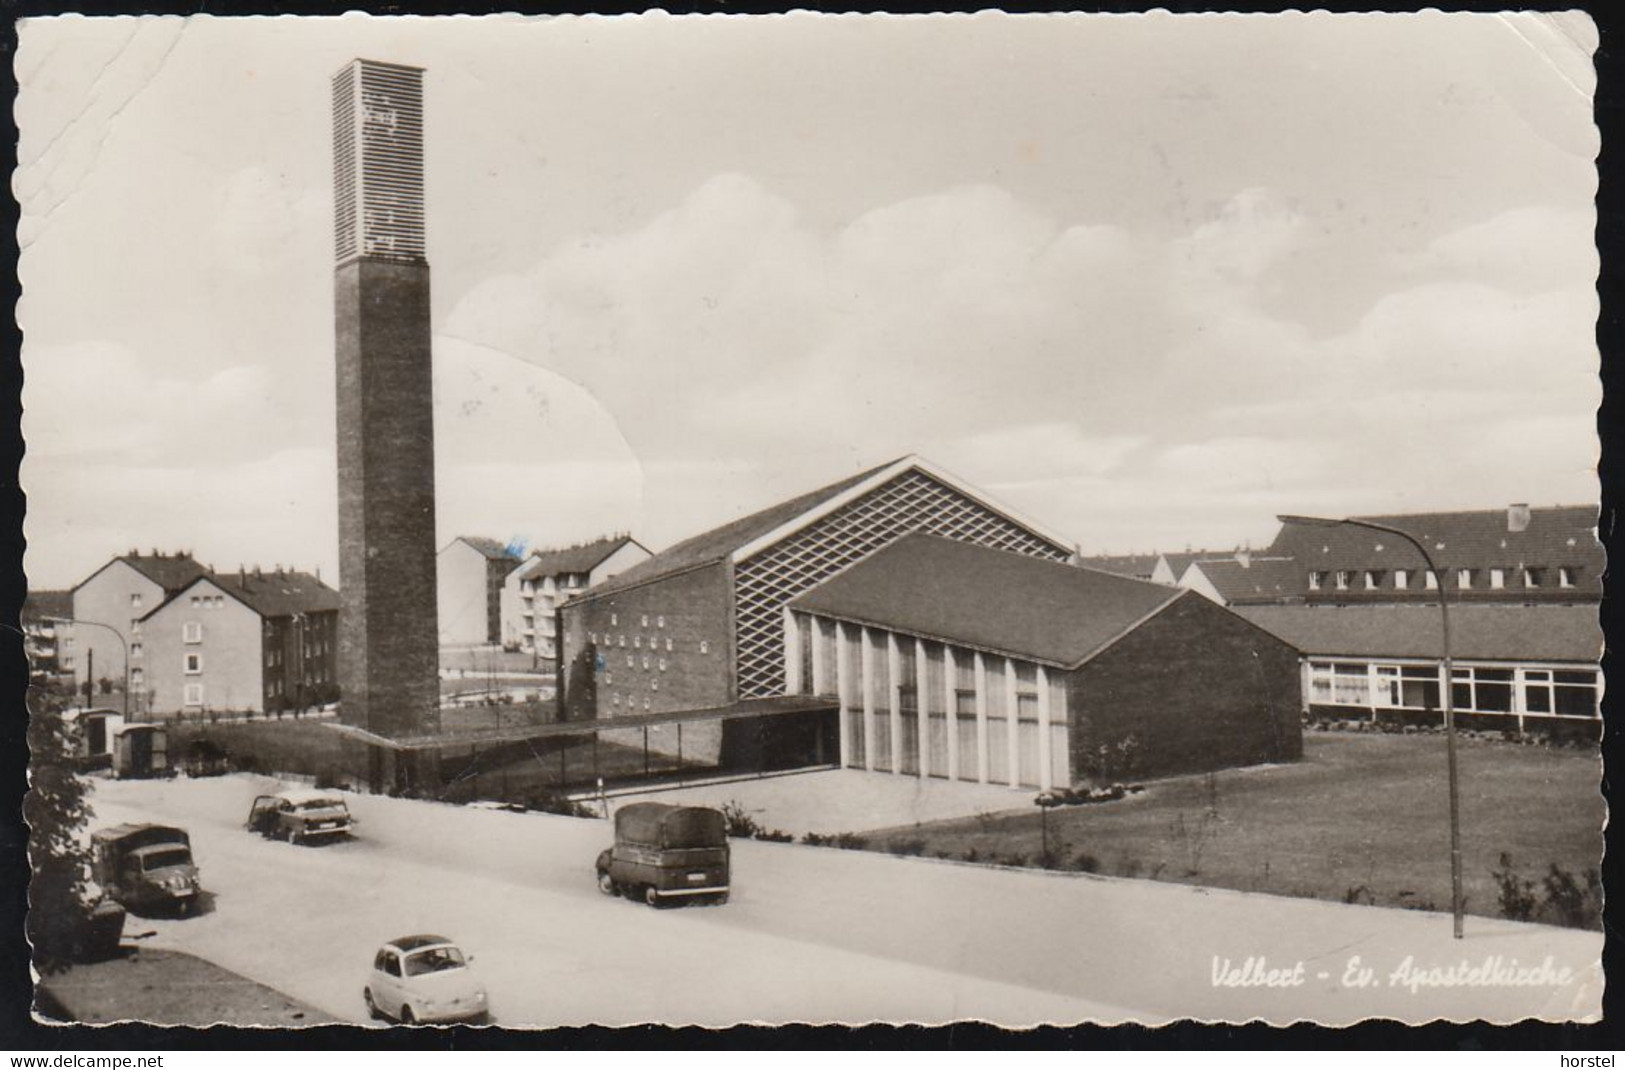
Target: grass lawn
1363	818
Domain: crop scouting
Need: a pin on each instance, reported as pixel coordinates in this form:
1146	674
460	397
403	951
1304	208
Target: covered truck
665	853
145	867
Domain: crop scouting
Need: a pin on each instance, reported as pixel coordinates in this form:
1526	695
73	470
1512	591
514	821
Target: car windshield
434	960
162	859
321	804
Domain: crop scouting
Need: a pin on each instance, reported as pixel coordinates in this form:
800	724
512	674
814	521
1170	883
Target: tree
56	811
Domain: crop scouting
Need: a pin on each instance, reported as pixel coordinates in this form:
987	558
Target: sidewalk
166	988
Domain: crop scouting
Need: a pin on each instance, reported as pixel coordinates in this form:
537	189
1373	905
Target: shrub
1084	862
1569	901
1359	893
775	836
910	846
551	802
971	854
738	820
1515	894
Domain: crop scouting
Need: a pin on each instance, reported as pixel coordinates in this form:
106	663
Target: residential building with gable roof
955	660
469	572
532	590
244	642
117	596
1243	578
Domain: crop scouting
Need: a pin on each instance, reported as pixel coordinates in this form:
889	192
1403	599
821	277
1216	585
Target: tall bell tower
388	657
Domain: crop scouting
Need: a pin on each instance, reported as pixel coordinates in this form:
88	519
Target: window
137	675
1498	579
1402	579
654	685
135	650
637	642
705	646
662	664
645	661
1464	578
645	701
194	664
1576	693
1373	579
1431	580
609	678
135	601
135	627
196	601
613	620
1534	577
592	637
1537	690
644	621
615	700
192	631
660	622
1565	576
194	695
1342	580
1316	579
668	644
631	662
623	640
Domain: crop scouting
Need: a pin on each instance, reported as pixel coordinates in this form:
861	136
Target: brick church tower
388	663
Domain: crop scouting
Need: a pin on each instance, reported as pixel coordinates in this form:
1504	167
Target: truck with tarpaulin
146	867
665	853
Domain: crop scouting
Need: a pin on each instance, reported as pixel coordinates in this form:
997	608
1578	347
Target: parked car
301	815
665	853
145	866
424	978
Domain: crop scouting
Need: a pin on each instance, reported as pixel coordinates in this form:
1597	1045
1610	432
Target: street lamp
122	641
1447	689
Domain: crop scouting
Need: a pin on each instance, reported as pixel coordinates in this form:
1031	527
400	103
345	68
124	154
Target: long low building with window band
1034	673
1514	666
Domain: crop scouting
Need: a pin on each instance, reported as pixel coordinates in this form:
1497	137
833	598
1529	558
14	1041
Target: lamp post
1446	688
122	641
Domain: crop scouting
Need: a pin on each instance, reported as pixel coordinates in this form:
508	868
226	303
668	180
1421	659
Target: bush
911	846
551	802
775	836
1515	894
1574	903
1084	862
1359	894
740	824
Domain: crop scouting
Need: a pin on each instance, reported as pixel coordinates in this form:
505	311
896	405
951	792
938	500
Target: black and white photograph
1031	519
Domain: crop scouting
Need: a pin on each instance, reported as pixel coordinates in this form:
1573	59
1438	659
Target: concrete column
820	681
1013	747
866	678
792	654
1519	706
1063	717
922	703
894	670
843	693
981	719
950	704
1045	781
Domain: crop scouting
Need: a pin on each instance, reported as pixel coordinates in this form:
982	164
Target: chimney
242	576
1518	516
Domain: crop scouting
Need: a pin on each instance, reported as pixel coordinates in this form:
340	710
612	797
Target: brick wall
388	649
1198	687
674	630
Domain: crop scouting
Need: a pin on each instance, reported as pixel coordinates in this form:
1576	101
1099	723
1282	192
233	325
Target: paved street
812	934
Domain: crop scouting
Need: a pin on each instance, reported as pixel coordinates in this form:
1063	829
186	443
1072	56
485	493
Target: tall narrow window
1464	578
1498	579
1316	579
192	631
1402	579
1431	580
194	664
1565	577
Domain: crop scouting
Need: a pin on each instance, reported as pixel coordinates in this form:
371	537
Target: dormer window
1431	580
1373	579
1342	580
1316	579
1464	578
1498	579
1565	576
1534	577
1402	579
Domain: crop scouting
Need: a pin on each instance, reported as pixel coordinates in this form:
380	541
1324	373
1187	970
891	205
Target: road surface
814	934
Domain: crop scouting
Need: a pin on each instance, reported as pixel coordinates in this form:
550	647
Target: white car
424	978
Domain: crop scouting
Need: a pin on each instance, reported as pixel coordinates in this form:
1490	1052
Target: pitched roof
1252	579
580	558
47	605
169	571
1484	632
1557	536
270	594
994	600
1139	566
491	548
718	543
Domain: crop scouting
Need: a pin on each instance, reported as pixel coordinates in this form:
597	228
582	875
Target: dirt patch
167	988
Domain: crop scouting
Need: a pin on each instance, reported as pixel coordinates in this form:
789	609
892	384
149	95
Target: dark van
145	867
666	854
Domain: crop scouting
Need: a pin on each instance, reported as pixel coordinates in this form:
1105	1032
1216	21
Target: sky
1148	280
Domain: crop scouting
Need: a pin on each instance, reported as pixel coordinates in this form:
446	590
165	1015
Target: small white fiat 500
424	978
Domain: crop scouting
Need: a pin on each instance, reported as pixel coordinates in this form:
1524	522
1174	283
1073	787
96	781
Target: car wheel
651	896
721	898
372	1008
606	883
407	1017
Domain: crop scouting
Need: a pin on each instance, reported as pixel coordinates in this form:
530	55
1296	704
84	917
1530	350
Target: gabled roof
1179	562
751	534
1556	536
1139	566
580	559
993	600
491	548
47	605
169	571
1484	632
270	594
1249	578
